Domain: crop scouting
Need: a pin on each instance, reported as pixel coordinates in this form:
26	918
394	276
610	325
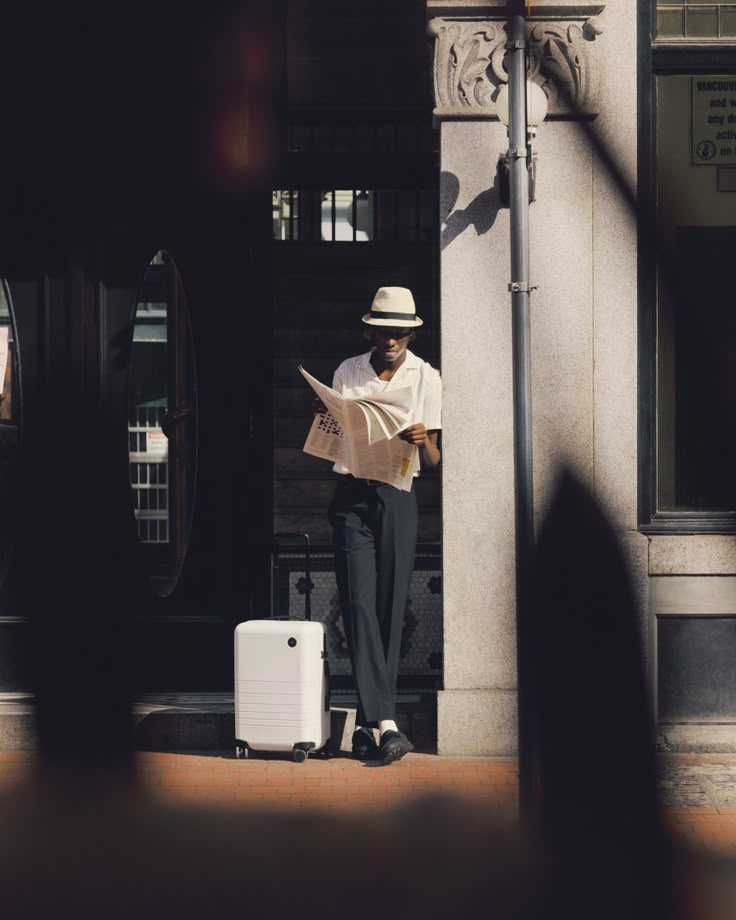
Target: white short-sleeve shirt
356	377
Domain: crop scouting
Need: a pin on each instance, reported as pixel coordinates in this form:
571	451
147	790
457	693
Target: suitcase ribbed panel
280	689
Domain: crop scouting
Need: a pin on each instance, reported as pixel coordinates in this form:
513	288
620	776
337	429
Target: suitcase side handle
292	538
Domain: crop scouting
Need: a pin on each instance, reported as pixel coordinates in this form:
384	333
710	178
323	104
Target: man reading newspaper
380	423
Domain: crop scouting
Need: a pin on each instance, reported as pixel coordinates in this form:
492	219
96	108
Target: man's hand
426	441
415	434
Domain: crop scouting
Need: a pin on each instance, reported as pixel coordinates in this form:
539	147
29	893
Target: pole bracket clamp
517	153
515	43
522	287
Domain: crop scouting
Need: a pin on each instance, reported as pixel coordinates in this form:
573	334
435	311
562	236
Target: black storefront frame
654	61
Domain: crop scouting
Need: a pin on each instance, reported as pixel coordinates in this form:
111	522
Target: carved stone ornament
469	54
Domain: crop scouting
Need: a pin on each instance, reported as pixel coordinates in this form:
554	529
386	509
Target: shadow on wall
480	214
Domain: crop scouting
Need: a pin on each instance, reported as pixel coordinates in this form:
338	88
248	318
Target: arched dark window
10	413
9	383
162	421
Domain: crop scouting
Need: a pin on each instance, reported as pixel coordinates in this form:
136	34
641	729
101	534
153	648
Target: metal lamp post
516	103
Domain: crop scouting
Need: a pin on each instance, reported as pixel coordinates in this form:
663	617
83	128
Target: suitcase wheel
300	751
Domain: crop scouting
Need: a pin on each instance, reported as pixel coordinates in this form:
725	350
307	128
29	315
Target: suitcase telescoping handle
291	538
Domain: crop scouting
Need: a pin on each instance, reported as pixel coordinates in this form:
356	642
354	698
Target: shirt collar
411	363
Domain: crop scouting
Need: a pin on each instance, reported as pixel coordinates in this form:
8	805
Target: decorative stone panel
421	639
469	55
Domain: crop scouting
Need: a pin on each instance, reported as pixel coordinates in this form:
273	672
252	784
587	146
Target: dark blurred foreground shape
75	580
81	839
591	738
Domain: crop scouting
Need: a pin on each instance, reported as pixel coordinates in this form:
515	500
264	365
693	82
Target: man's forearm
429	456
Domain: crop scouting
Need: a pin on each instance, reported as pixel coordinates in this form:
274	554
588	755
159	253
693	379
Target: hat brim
394	323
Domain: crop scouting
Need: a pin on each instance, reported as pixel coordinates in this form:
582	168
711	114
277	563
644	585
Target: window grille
354	215
285	207
148	457
695	20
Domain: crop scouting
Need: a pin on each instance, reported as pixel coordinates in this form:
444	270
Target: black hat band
385	314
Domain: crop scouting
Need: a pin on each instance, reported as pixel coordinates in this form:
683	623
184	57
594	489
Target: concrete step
205	721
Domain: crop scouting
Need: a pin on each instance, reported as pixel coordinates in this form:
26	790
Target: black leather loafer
393	746
364	745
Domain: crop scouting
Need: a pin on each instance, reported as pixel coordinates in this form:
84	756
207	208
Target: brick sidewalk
711	828
340	784
337	783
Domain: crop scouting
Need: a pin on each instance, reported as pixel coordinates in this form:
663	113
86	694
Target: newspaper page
3	355
360	434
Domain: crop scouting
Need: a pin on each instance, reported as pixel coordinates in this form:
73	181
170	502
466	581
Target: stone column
583	344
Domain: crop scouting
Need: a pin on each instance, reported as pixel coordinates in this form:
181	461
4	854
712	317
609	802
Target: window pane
670	24
329	215
285	212
702	23
696	311
695	19
407	137
364	136
408	216
705	358
347	216
386	138
322	137
728	23
344	137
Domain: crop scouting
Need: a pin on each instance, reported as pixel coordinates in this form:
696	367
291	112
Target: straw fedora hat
393	306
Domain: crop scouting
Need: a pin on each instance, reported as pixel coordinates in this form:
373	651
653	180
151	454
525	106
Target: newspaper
360	434
3	355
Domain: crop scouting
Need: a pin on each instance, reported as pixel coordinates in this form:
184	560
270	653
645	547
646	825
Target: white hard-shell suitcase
282	693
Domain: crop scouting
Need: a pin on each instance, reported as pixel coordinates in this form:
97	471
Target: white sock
387	725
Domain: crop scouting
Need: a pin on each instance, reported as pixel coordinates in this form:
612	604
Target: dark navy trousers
375	533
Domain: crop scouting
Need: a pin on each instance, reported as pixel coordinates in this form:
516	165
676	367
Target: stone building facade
614	164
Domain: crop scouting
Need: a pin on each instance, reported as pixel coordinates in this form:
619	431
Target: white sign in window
157	444
713	120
